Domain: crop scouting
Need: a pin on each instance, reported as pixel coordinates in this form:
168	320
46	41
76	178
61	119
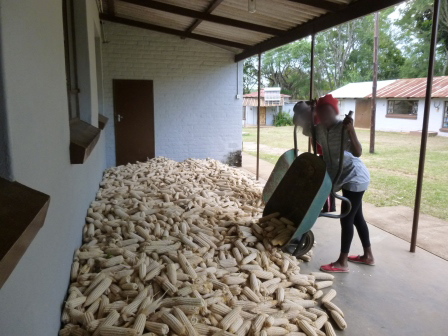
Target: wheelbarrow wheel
305	244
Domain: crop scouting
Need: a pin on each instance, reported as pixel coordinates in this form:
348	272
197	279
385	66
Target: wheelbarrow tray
281	167
301	193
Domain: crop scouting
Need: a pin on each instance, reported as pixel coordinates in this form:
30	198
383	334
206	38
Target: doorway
263	115
363	113
134	120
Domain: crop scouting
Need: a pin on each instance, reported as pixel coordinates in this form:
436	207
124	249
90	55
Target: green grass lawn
393	167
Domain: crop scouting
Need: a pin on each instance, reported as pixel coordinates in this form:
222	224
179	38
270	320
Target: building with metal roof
400	104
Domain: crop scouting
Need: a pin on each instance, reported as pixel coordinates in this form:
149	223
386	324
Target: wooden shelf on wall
102	121
22	214
83	138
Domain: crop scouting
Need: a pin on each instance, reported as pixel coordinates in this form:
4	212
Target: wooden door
134	120
263	115
363	113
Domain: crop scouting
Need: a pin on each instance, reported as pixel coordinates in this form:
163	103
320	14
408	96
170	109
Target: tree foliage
344	53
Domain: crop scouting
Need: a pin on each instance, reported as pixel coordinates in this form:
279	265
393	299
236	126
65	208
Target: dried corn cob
117	331
329	296
323	284
307	328
332	306
338	319
173	323
329	329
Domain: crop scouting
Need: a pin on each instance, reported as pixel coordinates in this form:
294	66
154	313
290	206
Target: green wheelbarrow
300	195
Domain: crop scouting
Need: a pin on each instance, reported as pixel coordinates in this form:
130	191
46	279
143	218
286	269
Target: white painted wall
34	88
407	125
195	86
398	124
345	106
251	115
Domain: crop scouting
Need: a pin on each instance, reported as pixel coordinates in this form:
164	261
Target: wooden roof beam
111	7
165	30
211	7
321	4
324	22
164	7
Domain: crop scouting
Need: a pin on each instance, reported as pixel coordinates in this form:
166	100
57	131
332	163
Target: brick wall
195	85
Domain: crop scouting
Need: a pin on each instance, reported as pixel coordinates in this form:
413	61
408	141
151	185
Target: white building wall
270	111
33	85
345	106
196	112
251	115
407	125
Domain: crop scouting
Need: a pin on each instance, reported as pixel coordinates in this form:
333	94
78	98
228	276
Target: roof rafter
324	22
149	26
322	4
205	16
211	7
111	7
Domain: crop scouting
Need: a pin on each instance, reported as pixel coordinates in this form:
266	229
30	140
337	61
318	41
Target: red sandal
358	260
331	269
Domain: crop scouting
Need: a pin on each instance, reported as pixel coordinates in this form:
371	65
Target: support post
374	85
258	117
313	40
421	163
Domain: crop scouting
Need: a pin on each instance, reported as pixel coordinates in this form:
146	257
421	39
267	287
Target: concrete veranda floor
397	220
404	294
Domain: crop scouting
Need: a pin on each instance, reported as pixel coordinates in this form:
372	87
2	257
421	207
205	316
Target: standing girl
353	181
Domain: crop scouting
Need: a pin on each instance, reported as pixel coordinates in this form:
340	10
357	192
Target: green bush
282	119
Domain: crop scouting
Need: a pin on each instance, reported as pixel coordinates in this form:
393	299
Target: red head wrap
328	100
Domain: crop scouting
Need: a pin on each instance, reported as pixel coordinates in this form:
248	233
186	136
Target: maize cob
319	323
317	311
186	266
171	273
73	303
329	296
322	276
236	325
329	329
269	322
157	328
175	325
230	318
98	291
251	295
307	328
338	319
117	331
323	284
258	323
318	295
190	331
332	306
248	258
244	329
280	294
276	331
139	324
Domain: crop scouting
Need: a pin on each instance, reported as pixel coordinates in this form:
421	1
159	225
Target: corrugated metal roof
358	90
276	16
414	88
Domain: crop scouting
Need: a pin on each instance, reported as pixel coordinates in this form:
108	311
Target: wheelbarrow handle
336	179
342	214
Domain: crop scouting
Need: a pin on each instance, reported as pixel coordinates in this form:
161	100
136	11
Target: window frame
71	68
402	115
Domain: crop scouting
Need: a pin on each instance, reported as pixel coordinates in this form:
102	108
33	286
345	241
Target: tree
415	26
250	74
